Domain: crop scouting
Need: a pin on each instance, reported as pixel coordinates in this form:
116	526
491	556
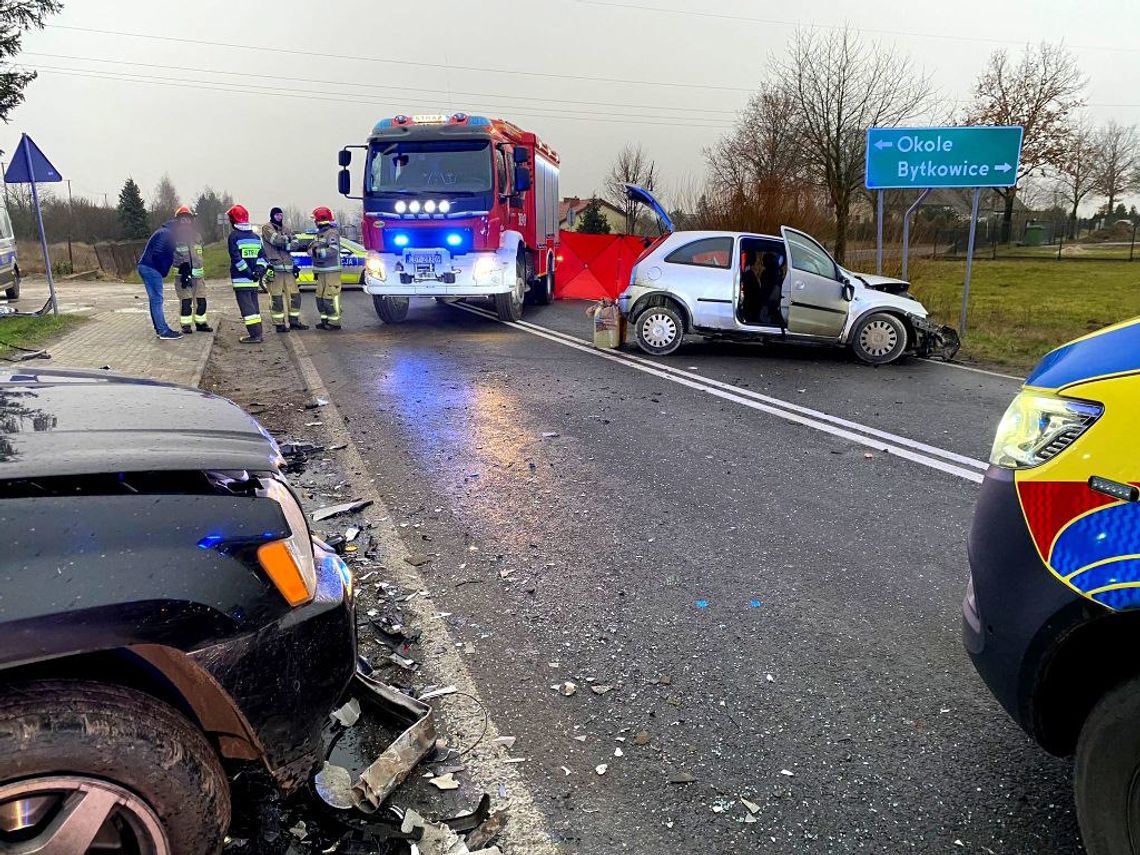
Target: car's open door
818	305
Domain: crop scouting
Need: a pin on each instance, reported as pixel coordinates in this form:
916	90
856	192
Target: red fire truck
456	206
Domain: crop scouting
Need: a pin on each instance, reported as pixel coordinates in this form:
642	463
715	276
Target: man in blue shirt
154	265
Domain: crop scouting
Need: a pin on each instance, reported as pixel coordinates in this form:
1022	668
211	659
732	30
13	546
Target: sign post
930	158
29	165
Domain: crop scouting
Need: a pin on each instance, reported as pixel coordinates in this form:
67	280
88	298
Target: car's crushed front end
874	293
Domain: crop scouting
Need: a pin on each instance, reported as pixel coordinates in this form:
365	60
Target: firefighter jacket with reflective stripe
247	257
277	242
188	249
325	248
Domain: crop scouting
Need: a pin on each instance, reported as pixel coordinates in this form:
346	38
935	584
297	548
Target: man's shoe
169	335
281	328
333	327
248	339
323	325
187	329
297	325
204	328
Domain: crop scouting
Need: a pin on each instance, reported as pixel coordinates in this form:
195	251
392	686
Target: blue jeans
153	282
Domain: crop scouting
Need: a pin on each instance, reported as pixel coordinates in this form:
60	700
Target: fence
1036	241
119	258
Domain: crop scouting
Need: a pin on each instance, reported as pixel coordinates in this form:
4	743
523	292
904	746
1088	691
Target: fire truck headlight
485	268
414	207
375	266
429	206
444	206
401	206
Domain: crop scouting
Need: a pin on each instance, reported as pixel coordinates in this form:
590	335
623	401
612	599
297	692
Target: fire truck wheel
391	310
509	306
543	288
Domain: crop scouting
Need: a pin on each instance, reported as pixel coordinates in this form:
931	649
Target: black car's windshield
455	166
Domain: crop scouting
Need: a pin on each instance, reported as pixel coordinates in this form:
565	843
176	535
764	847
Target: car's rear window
707	252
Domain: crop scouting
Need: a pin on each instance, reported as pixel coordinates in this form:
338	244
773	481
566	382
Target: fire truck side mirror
522	179
344	157
520	155
344	181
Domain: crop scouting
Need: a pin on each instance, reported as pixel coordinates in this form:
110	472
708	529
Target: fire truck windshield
452	166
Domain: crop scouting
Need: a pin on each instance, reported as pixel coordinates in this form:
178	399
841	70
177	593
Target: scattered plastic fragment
601	690
568	688
769	678
445	782
351	533
601	768
752	806
417	559
438	693
486	833
549	435
618	752
343	508
507	742
702	604
787	773
315	403
348	714
581	738
334	786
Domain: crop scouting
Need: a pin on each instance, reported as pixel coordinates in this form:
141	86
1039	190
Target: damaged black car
166	616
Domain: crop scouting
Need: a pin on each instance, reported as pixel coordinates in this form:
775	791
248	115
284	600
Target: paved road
765	589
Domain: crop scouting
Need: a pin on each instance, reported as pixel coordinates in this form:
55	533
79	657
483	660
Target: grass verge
18	332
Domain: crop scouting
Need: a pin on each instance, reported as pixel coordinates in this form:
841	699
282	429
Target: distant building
570	208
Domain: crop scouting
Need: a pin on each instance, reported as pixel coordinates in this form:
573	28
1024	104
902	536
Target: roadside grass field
1020	310
29	332
215	258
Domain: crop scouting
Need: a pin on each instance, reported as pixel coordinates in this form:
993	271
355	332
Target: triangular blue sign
30	164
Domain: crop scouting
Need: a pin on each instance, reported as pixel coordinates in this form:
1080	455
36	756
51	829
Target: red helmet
322	214
183	211
238	214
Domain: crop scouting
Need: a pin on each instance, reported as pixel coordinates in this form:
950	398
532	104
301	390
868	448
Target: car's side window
807	256
707	252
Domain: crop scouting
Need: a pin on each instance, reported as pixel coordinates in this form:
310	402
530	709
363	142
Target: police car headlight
375	266
1037	427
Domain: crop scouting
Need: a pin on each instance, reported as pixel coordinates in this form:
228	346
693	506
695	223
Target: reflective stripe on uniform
250	320
198	272
335	314
200	319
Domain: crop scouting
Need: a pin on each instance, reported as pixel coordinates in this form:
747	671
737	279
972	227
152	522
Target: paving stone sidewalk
118	334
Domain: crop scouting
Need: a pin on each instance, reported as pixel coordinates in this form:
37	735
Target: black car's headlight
1038	426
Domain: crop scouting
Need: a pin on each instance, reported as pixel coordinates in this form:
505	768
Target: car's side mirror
522	179
344	157
344	182
848	291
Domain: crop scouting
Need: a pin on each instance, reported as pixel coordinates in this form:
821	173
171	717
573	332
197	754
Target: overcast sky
267	94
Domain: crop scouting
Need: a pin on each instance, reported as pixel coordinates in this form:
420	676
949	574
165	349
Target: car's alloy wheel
658	329
77	815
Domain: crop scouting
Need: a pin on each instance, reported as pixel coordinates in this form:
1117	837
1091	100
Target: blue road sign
29	164
918	158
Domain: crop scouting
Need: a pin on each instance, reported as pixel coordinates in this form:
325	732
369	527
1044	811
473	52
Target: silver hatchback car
743	286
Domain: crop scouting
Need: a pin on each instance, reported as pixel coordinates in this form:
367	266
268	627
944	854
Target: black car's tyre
1106	773
110	765
391	310
659	330
509	306
879	338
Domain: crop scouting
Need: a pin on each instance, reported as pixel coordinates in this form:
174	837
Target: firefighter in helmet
191	281
248	265
325	252
285	298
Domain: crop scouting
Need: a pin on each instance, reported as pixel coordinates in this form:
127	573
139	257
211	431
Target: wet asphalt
763	598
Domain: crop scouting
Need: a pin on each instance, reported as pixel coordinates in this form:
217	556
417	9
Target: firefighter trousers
284	297
328	297
193	302
250	308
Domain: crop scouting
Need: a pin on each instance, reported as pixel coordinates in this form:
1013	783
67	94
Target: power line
325	82
227	86
722	16
405	62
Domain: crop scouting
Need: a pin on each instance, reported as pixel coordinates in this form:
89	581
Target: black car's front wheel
1106	773
138	779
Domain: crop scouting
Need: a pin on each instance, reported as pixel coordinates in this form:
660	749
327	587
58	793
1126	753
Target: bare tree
763	147
163	203
633	166
1117	169
843	85
1040	92
1076	170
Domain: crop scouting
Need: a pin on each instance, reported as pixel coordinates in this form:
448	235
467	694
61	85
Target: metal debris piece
298	448
445	782
752	806
438	693
514	759
336	542
486	833
334	785
601	768
343	508
566	770
601	690
389	770
568	688
404	662
467	821
347	715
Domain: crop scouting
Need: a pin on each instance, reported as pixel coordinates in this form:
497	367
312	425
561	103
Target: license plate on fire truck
427	264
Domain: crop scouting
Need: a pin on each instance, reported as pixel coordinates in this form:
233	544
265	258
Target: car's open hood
64	422
883	283
640	194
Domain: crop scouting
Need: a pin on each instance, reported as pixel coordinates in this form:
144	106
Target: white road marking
970	368
908	449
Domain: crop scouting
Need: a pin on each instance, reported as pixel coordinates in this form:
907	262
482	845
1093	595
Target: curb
200	368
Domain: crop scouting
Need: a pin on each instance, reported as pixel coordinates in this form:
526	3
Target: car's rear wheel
12	292
1106	773
879	338
659	330
93	768
391	310
509	306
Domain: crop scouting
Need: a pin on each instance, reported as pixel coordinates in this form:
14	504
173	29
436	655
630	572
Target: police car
1051	616
352	257
9	269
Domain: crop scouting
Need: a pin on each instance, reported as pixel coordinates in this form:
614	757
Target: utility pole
70	225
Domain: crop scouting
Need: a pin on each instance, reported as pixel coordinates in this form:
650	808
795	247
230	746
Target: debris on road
486	833
568	688
418	559
642	738
334	786
752	806
438	693
351	533
682	778
445	782
550	435
343	508
601	690
787	773
316	403
507	742
601	768
348	714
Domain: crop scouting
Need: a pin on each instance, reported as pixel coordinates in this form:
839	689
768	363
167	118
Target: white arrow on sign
882	144
1002	167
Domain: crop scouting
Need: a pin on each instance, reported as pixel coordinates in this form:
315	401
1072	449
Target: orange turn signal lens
284	571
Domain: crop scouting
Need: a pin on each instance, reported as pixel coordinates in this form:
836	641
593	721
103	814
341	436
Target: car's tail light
1037	427
289	562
